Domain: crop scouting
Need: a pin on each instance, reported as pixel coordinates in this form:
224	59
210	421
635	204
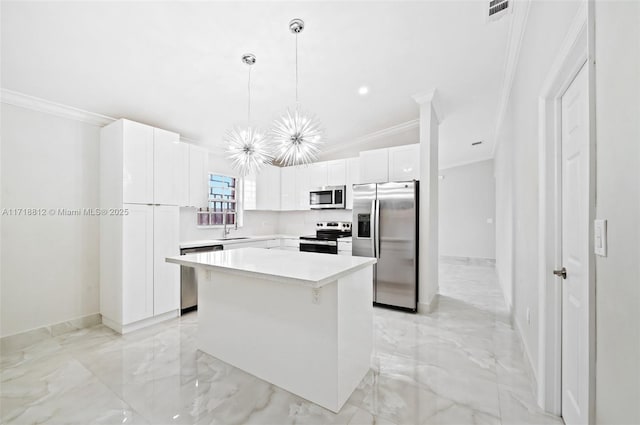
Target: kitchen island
301	321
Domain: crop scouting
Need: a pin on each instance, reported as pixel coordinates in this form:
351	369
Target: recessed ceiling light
363	90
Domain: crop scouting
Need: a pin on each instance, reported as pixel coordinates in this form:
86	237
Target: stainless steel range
325	240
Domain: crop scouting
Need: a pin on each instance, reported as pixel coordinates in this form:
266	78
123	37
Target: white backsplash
297	223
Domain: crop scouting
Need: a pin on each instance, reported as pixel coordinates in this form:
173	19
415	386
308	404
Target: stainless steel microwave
328	197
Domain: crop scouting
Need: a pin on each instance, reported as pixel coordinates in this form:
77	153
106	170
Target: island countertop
305	268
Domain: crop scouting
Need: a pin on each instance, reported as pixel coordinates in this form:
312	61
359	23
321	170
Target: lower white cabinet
166	276
345	247
136	281
137	286
249	244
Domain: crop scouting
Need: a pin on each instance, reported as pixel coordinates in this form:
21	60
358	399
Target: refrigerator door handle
372	223
377	228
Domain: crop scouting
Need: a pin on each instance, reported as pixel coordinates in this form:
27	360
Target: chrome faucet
224	222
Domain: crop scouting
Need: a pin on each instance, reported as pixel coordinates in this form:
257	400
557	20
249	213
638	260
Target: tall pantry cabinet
141	180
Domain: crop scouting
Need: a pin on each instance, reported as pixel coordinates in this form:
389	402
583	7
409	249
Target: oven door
320	199
321	247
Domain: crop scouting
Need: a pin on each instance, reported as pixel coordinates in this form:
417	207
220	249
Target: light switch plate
600	237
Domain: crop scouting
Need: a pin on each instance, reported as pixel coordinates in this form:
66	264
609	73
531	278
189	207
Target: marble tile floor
462	364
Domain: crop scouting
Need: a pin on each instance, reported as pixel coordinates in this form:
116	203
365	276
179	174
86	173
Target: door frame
575	52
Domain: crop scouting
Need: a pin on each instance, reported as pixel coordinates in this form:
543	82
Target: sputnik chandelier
296	136
248	147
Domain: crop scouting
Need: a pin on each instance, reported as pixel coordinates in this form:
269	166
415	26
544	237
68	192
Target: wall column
428	223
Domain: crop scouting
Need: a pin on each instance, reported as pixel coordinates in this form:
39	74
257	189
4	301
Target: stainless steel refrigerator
385	226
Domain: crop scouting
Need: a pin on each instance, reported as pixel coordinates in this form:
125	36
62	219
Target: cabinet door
267	188
137	263
166	276
318	175
166	173
404	163
137	161
198	176
288	188
374	166
337	172
302	187
182	169
353	177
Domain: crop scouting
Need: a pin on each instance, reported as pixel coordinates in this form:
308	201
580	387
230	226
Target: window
223	196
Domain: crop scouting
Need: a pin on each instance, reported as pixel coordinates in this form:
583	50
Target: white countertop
306	268
233	240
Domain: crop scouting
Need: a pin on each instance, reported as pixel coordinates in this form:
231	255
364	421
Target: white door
353	177
166	170
166	276
137	158
318	175
198	169
137	263
302	187
337	172
288	189
575	251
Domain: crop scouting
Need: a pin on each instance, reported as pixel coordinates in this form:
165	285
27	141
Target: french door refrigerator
385	220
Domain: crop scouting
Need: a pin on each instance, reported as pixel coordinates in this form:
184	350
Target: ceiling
176	65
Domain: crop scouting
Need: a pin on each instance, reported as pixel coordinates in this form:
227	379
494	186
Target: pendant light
297	136
248	147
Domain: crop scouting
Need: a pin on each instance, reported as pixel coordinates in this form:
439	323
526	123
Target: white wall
49	264
407	137
516	165
617	44
466	202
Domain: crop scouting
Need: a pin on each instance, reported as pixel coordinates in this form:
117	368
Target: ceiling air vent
497	9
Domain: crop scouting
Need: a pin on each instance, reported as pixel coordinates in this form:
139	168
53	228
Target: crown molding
514	44
22	100
385	132
431	97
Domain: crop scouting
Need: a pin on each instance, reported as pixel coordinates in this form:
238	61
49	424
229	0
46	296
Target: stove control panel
342	226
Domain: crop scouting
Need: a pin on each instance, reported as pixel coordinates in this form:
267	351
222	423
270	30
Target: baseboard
525	350
24	339
468	261
130	327
430	307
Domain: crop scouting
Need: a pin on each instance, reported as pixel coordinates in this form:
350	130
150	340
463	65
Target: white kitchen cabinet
337	172
137	289
317	175
302	187
135	284
288	189
167	173
166	276
345	247
182	171
249	244
290	244
262	191
374	166
353	177
135	142
404	163
198	177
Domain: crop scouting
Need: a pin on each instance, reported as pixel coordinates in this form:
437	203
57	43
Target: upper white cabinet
317	175
302	187
262	191
353	177
168	154
400	163
336	172
374	166
404	163
198	177
135	142
288	200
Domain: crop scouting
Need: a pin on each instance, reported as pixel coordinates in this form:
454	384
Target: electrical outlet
528	316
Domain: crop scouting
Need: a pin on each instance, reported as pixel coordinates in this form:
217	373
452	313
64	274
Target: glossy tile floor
460	365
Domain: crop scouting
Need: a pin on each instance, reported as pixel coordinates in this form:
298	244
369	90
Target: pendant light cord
249	99
296	68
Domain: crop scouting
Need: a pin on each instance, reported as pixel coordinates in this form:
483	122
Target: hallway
462	364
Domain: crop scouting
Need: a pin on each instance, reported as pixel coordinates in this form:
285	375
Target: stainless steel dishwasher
188	279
